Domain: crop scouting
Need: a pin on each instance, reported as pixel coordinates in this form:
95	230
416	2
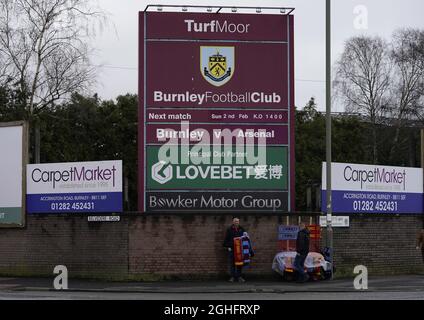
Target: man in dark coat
302	250
234	231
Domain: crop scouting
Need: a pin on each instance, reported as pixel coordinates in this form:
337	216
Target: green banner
11	216
194	167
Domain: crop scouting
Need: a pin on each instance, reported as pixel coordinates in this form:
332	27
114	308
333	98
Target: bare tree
44	48
363	79
407	86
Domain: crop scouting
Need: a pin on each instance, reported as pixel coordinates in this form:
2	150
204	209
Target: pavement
405	283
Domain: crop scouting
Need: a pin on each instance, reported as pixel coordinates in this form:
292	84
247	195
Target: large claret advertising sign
216	114
74	187
360	188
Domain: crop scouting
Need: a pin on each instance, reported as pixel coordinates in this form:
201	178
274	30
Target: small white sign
104	219
336	221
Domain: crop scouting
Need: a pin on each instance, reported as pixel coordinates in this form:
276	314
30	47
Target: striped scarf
242	249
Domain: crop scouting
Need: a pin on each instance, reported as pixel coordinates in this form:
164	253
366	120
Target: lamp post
328	130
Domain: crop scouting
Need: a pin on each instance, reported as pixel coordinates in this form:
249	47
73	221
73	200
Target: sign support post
328	130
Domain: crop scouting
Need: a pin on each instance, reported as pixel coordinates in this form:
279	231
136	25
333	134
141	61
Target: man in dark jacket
234	231
302	250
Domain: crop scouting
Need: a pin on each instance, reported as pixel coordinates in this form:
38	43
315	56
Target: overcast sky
117	46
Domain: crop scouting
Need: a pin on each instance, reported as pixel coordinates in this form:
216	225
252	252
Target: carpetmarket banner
74	187
360	188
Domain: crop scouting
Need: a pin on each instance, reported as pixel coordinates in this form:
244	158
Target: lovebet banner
183	168
74	187
359	188
210	82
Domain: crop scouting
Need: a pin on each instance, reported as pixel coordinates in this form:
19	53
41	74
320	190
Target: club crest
217	64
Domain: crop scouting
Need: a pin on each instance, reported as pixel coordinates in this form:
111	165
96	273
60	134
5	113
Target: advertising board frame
25	161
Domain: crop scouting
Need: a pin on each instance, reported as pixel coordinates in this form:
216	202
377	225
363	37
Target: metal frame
283	10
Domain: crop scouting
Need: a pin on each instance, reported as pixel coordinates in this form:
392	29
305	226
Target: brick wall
384	245
87	249
165	246
192	245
